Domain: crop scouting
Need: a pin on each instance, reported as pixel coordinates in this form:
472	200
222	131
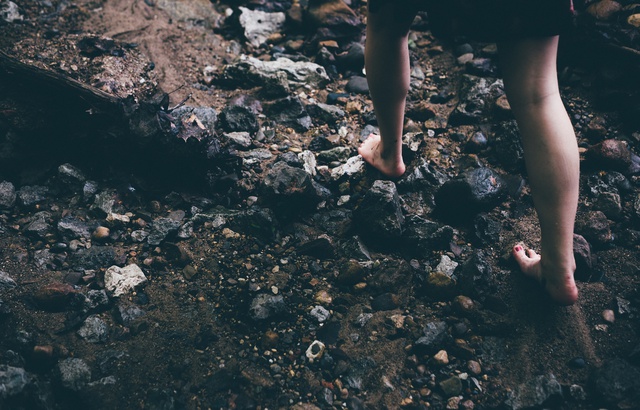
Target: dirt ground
197	345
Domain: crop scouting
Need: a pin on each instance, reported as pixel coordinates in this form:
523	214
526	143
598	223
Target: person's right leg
387	64
551	155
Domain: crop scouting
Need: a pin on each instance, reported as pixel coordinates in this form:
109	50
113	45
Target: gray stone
473	191
6	282
94	330
423	175
97	299
476	96
435	335
534	393
290	112
379	215
451	386
43	257
13	381
239	139
128	313
73	373
96	257
487	229
253	72
31	195
258	25
9	11
73	228
89	189
363	318
357	85
339	154
446	266
71	176
39	225
7	195
320	314
161	228
139	235
582	255
266	306
285	182
238	118
476	275
353	168
325	113
208	116
103	203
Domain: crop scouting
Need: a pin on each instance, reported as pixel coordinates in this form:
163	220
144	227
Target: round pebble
609	316
441	358
101	233
474	367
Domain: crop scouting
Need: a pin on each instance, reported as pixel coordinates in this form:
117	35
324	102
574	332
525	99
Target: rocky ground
251	260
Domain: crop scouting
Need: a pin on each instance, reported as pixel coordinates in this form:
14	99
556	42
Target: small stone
315	351
441	358
363	318
467	405
474	368
101	233
119	281
534	393
451	386
454	403
446	266
94	330
357	85
7	195
266	306
634	20
604	9
464	304
270	339
577	363
320	314
577	392
13	381
609	316
323	297
73	373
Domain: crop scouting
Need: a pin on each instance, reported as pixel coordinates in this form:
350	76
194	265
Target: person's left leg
387	65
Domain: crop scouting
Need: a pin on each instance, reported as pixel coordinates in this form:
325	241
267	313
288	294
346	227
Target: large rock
251	72
290	112
379	215
534	393
618	382
73	373
259	25
7	195
13	380
476	99
480	189
291	187
119	281
423	236
507	146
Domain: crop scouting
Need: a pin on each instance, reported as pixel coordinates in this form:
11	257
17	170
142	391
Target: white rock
309	163
320	314
9	11
446	266
119	281
259	25
298	73
315	351
353	166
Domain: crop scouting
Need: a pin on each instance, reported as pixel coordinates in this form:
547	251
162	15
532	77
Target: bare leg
387	64
552	159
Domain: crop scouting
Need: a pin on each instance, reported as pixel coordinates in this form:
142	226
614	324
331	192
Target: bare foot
370	151
558	283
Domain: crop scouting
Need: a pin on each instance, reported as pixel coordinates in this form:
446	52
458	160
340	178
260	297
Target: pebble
320	314
609	316
454	403
634	20
474	367
464	304
101	233
119	281
441	358
451	386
